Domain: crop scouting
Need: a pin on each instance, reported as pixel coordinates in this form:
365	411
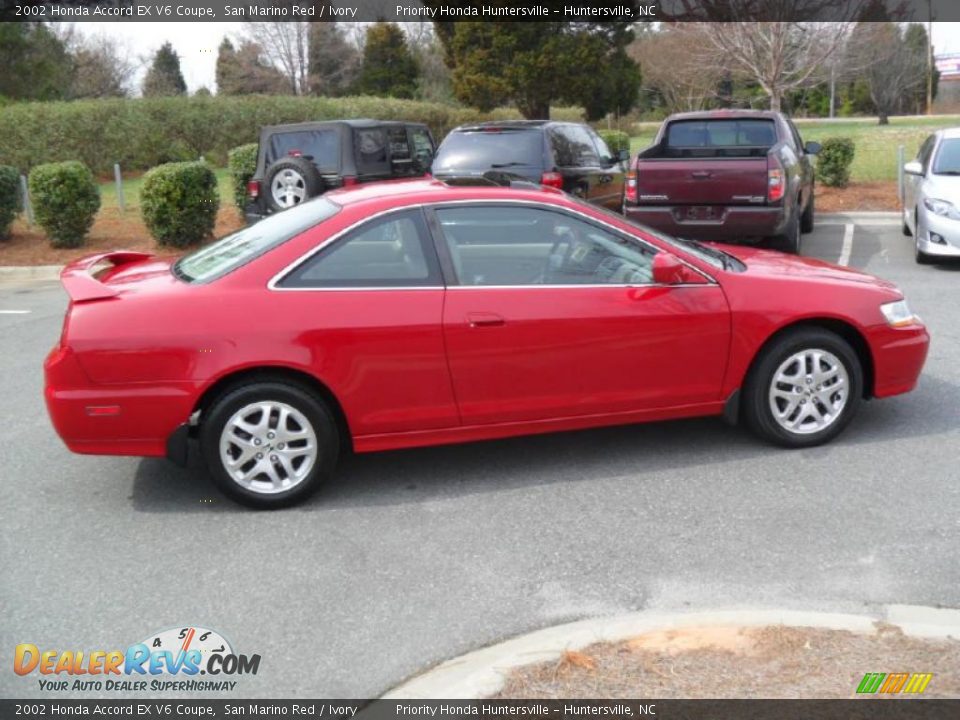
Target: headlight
898	314
942	208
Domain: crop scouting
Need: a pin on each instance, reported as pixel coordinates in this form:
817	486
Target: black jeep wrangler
301	161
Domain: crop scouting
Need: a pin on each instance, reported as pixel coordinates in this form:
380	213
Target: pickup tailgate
702	181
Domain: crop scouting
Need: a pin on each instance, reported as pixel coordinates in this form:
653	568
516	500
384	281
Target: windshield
244	245
948	158
710	255
484	149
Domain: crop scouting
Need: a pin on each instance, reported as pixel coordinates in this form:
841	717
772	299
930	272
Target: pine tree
389	68
164	76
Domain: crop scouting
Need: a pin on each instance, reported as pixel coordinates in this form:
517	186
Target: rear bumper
899	356
731	224
133	419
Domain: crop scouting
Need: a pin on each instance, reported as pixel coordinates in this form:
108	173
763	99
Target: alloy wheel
809	391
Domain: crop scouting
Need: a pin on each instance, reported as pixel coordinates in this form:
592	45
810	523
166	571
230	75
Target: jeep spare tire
291	181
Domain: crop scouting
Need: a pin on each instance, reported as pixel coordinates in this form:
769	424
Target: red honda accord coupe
417	313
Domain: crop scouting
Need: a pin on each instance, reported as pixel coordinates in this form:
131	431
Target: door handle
477	320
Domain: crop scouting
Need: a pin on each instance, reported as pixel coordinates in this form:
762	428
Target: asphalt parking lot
409	558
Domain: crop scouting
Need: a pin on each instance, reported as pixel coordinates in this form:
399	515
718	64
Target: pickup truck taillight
776	183
630	192
552	179
253	189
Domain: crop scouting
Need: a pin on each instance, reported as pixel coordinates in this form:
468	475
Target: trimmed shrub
242	164
616	140
834	160
179	203
9	198
65	201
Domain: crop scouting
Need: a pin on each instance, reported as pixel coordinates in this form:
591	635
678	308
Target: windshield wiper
509	164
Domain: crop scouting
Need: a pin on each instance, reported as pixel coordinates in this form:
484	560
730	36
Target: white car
931	197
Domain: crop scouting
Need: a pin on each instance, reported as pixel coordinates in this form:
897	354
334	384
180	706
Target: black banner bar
860	709
471	10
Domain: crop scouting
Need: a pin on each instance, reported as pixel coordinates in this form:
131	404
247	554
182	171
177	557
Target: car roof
320	124
725	115
398	193
509	125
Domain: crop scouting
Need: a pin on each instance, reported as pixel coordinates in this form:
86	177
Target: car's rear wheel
806	220
804	388
789	242
269	444
291	181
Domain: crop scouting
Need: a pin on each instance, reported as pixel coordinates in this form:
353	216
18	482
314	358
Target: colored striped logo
890	683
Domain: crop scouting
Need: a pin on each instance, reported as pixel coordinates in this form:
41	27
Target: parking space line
847	244
15	312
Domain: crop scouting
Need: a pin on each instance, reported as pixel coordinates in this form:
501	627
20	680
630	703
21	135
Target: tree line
873	63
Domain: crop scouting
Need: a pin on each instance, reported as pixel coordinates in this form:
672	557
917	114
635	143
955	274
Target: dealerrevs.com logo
171	660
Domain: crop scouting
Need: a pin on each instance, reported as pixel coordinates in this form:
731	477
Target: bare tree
102	65
893	68
285	45
334	59
668	67
778	56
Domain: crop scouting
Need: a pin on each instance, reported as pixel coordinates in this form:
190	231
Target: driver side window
523	246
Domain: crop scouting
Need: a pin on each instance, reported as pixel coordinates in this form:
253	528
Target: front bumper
129	419
947	229
731	223
898	358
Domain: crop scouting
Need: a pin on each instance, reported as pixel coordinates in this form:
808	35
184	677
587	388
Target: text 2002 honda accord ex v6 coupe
417	313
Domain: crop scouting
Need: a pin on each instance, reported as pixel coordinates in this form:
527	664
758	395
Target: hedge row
141	133
9	198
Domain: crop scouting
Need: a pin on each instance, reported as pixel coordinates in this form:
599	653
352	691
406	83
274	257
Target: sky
197	43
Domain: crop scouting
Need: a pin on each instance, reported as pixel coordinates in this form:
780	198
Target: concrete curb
480	673
17	273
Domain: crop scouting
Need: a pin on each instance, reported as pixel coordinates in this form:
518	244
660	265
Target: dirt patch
736	662
857	197
112	230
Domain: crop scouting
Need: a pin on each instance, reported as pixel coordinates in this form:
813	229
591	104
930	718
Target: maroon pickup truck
726	175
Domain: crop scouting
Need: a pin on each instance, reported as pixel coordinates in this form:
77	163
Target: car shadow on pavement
423	474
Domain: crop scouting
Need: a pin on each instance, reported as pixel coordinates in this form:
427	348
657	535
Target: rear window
321	145
721	133
483	149
244	245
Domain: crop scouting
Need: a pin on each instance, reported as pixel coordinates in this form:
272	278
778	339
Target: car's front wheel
804	388
269	444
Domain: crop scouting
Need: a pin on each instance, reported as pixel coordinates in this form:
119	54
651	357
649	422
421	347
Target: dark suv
568	156
301	161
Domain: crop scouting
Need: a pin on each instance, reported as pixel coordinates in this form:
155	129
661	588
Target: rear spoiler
81	286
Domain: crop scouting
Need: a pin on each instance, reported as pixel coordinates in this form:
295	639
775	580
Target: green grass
875	158
131	191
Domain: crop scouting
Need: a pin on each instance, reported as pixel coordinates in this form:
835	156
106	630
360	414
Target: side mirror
913	168
812	148
623	156
668	270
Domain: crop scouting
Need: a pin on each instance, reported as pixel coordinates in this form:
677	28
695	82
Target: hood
769	263
943	187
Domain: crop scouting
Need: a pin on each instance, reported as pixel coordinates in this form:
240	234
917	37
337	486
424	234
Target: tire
906	229
294	475
789	242
806	220
782	358
291	181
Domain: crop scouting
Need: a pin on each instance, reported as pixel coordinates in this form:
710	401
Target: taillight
253	189
776	182
349	180
630	193
552	180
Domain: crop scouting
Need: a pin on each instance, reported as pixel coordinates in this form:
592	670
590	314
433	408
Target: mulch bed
858	197
112	230
735	662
